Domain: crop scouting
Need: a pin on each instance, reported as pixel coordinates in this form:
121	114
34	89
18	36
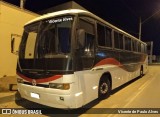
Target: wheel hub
104	88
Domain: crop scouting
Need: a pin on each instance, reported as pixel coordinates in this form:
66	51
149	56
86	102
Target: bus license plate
35	95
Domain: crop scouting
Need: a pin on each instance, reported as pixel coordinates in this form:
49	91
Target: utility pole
144	21
22	3
140	28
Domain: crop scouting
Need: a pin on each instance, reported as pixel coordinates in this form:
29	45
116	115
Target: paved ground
141	93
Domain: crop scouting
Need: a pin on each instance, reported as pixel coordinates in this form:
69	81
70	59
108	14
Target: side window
134	45
89	42
104	36
118	40
101	35
139	46
127	43
142	48
108	37
86	53
89	34
145	48
88	27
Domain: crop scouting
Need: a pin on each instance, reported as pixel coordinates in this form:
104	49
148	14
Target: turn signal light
63	86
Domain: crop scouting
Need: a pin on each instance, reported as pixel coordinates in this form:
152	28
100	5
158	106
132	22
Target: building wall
64	6
12	20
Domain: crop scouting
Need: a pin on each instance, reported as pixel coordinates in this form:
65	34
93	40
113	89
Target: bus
71	57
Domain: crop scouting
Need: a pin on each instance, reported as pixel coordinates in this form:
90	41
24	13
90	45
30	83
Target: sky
124	14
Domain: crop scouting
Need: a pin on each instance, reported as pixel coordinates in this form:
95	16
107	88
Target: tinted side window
121	41
134	45
118	40
85	54
108	37
101	35
127	43
139	46
89	35
88	27
145	48
142	48
104	35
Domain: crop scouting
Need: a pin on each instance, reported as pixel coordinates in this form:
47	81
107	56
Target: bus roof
49	15
77	11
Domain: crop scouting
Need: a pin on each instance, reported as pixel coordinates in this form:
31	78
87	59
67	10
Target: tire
104	88
141	72
18	96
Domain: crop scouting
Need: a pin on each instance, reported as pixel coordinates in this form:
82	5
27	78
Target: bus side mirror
81	38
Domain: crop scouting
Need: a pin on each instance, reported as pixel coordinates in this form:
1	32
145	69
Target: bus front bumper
48	97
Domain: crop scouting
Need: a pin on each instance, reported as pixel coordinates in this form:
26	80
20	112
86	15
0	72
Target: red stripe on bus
42	80
108	61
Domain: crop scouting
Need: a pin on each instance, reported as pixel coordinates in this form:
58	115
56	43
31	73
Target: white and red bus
72	57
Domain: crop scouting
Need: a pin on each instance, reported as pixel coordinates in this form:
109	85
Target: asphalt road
139	96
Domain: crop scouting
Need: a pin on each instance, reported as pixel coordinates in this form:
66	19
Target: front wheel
18	96
104	88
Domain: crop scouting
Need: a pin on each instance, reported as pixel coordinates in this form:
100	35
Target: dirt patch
6	83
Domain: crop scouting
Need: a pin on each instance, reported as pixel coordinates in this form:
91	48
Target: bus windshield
45	40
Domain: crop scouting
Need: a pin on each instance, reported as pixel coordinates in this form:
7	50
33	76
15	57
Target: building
151	57
64	6
12	20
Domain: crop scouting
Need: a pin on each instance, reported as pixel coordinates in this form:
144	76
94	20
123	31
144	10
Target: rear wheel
141	72
104	88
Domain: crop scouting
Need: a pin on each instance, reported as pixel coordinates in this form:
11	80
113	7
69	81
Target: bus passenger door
86	42
84	59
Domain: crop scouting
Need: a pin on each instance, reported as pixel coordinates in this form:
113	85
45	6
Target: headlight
19	80
63	86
